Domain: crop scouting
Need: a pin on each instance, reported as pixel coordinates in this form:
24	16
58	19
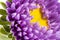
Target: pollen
37	17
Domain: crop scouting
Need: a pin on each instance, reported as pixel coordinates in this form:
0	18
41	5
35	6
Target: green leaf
10	35
3	18
3	31
7	28
3	12
4	22
4	37
10	0
13	38
3	5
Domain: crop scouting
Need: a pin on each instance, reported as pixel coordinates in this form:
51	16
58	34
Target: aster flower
19	16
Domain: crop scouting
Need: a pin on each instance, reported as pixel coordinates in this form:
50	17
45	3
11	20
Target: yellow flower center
37	17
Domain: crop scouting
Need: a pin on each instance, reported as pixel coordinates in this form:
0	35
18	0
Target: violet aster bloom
19	16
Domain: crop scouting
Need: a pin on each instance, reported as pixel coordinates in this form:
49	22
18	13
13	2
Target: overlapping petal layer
19	16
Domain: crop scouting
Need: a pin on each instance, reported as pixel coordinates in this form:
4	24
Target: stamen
37	17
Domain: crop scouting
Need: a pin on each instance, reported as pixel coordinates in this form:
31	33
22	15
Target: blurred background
0	4
5	33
